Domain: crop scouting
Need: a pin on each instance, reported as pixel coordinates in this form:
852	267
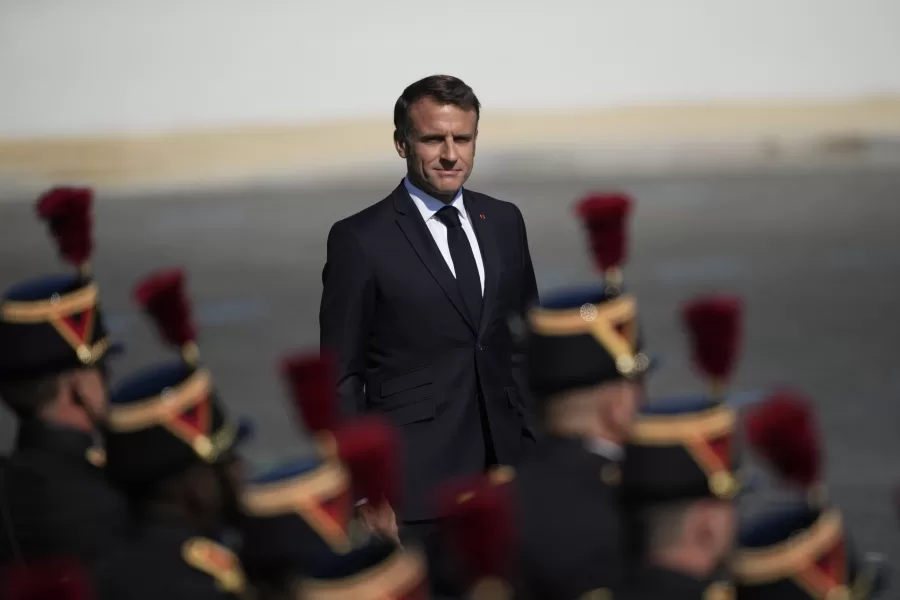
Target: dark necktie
467	277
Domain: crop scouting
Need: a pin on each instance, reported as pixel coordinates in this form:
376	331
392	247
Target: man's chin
448	184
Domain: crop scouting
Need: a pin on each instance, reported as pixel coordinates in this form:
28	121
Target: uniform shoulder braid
216	561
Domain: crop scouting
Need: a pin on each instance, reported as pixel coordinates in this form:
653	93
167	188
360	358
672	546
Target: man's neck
685	561
77	421
424	188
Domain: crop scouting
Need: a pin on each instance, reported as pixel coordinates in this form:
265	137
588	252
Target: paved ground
816	255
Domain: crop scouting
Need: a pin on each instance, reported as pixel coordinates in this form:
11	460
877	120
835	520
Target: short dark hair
26	398
443	89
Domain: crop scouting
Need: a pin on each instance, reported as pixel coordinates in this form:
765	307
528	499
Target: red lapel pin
481	215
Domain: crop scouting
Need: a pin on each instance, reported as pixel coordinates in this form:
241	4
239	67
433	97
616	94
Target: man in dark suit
418	290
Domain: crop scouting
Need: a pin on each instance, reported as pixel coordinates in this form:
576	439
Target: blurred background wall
136	92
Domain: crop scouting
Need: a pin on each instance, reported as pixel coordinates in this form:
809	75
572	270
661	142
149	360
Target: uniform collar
37	434
670	584
429	205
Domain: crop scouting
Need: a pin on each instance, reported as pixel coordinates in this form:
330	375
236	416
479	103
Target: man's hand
381	520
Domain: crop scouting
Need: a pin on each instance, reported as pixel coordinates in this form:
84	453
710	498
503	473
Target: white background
102	66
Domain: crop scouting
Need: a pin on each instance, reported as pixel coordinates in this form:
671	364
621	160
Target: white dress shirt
429	206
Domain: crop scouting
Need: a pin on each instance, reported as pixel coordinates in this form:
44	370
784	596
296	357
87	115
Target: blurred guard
54	499
294	515
679	476
679	481
376	568
170	447
311	381
798	550
586	368
301	514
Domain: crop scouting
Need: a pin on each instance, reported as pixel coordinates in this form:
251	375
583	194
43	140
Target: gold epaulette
216	561
501	474
96	456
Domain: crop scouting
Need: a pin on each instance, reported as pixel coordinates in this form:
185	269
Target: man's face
719	527
440	151
90	386
624	400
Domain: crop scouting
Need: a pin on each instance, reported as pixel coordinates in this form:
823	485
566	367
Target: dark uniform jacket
572	537
408	349
171	562
54	501
654	583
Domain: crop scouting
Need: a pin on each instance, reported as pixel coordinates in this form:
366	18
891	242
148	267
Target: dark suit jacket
570	523
408	350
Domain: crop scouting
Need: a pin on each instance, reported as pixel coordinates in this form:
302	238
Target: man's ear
400	144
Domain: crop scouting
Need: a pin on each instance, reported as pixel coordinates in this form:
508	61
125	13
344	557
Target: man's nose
449	154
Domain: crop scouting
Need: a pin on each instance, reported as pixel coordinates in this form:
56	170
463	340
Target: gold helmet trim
790	557
304	496
394	578
57	307
665	430
600	321
327	481
160	409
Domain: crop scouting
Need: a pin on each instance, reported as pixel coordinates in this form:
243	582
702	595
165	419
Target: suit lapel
490	255
415	230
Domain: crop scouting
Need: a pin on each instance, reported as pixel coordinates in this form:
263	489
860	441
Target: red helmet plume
369	448
783	430
479	525
714	329
163	297
313	389
68	212
605	217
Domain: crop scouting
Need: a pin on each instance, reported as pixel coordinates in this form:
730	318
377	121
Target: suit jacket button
480	347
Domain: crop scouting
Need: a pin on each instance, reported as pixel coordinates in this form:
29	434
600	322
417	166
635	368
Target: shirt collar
429	205
605	448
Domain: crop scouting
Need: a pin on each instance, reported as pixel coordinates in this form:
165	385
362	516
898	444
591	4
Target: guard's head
702	529
294	514
584	345
169	440
74	398
53	342
678	479
585	361
797	551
